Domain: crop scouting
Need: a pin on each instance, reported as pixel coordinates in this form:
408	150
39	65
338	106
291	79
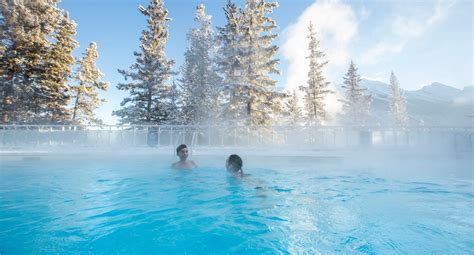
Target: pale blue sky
422	41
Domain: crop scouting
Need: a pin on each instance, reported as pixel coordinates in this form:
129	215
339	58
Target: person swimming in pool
234	165
182	152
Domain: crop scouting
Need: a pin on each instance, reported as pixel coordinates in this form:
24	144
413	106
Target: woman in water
182	152
234	165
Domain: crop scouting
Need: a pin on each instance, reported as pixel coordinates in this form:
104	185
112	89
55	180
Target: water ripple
133	207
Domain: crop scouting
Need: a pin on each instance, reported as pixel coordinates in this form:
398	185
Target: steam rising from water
120	203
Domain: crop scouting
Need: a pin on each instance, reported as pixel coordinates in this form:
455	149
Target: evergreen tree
293	110
397	103
316	89
17	41
54	90
3	34
356	105
36	46
258	63
230	67
10	59
176	116
200	81
149	101
86	97
3	48
35	61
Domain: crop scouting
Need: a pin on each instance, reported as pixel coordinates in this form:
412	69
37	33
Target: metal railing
301	137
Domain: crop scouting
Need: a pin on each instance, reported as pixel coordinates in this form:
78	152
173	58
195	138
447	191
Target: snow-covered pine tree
39	23
200	81
3	47
258	62
149	102
234	107
356	105
54	87
294	115
3	34
18	41
85	92
316	90
10	60
176	116
34	61
397	103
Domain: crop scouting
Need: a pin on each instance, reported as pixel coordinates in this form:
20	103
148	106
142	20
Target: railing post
471	136
395	136
3	136
27	132
108	136
171	132
121	137
159	136
382	137
208	136
407	141
62	135
38	136
248	136
97	136
134	133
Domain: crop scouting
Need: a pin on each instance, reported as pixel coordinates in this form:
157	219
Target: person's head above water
234	164
182	152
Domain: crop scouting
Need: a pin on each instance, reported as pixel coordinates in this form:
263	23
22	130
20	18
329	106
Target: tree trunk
148	107
76	104
7	102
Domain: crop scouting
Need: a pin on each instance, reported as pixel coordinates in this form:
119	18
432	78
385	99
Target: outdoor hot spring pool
288	205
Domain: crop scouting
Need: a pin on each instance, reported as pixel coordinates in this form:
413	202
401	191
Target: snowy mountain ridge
435	104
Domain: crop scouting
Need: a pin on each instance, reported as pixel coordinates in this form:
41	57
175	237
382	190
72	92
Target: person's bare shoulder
193	163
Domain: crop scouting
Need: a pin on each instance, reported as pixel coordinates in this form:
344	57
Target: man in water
234	165
183	163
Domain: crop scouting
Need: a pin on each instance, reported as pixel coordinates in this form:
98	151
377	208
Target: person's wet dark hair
182	146
236	161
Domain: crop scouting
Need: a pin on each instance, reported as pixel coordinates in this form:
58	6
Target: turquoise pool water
130	205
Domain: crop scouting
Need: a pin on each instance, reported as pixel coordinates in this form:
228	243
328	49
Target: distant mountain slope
434	105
